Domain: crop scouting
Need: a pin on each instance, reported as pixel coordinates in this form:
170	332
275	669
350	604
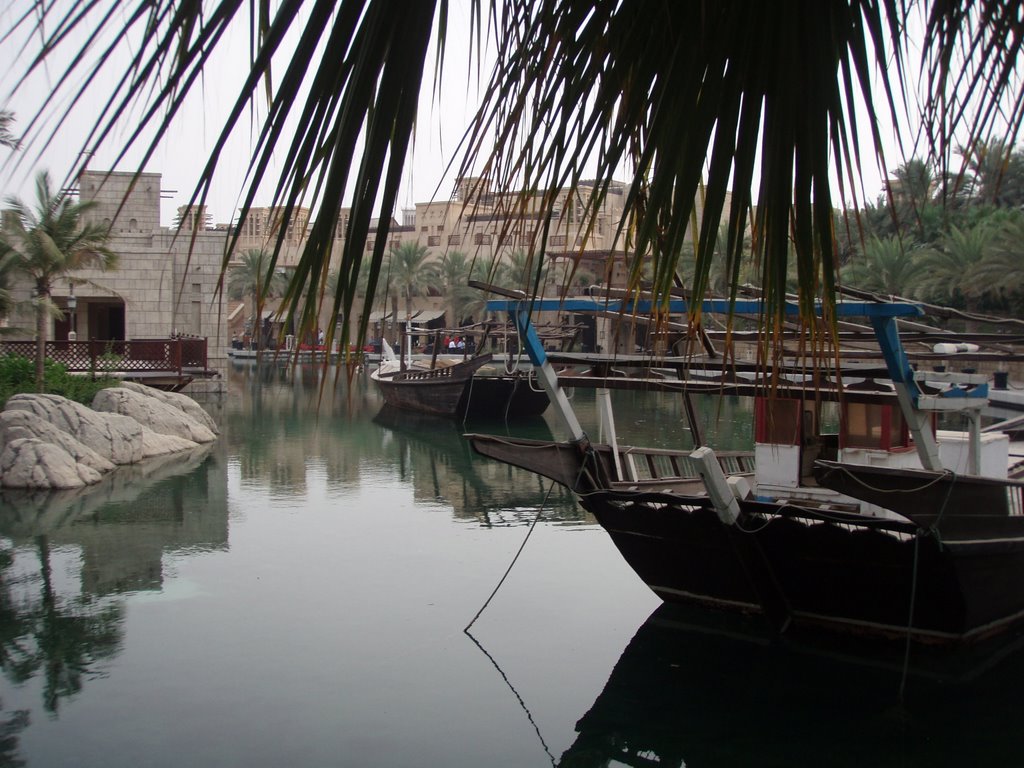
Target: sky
180	158
183	153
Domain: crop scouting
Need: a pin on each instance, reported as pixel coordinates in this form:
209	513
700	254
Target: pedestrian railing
174	355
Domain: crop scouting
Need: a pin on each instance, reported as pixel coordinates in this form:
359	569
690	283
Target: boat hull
796	564
435	391
459	391
502	397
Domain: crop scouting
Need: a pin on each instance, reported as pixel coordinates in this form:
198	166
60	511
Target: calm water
297	596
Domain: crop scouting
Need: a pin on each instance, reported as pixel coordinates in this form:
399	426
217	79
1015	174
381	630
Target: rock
153	413
177	400
156	444
26	424
116	438
28	462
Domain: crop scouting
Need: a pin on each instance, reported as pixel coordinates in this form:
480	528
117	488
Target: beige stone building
483	224
166	280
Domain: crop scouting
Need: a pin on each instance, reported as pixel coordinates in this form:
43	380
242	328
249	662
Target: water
297	595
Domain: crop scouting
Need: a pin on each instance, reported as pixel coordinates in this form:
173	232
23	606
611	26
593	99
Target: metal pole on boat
907	392
545	371
519	313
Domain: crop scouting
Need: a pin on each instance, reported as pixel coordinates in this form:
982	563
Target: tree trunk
42	298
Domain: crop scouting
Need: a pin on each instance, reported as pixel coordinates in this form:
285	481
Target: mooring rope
522	546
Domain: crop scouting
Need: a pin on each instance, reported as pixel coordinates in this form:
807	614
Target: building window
434	240
424	228
454	239
558	239
482	238
369	245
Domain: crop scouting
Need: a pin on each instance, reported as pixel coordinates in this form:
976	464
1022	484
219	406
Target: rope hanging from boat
511	565
944	474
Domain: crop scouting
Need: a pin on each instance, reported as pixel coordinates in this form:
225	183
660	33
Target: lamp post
73	312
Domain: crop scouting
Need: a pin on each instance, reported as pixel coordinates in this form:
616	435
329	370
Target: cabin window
871	425
777	420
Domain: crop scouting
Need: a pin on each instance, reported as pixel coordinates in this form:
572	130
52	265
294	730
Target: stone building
166	280
486	225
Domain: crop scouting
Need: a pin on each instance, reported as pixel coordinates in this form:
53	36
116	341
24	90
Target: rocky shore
50	442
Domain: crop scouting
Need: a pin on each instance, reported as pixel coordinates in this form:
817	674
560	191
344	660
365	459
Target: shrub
17	374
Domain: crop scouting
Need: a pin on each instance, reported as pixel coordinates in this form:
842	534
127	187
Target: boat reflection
689	692
433	456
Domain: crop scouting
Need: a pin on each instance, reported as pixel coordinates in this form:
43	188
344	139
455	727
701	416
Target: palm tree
946	267
764	98
409	274
996	173
1001	268
8	268
48	242
886	267
457	269
8	139
255	278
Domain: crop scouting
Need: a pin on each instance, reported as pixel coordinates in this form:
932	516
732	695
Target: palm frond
749	107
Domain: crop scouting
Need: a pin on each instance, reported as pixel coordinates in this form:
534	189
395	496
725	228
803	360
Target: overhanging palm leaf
759	97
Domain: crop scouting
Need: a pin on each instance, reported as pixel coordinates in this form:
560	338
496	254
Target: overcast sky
183	154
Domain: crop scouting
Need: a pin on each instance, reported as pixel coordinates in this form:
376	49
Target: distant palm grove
956	240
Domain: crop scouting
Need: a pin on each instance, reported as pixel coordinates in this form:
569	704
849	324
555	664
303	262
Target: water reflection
68	557
292	423
433	456
699	689
315	567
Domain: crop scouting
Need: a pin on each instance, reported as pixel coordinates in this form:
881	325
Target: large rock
32	463
153	413
156	444
115	437
177	400
16	424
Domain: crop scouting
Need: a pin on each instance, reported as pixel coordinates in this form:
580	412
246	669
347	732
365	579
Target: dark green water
296	596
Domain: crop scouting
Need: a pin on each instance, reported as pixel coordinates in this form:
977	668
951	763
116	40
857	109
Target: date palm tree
887	267
947	266
754	102
47	243
457	269
255	278
8	139
410	274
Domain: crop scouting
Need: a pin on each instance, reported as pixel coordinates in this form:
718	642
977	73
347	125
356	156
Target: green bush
18	374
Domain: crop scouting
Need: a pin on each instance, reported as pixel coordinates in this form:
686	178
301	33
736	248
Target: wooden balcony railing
179	355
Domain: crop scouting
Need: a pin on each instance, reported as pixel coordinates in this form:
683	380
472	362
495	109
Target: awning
270	314
426	315
376	317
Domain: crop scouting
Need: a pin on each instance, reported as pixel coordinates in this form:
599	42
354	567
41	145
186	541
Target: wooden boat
807	528
461	390
458	388
431	390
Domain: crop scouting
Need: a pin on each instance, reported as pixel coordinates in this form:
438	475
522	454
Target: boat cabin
788	439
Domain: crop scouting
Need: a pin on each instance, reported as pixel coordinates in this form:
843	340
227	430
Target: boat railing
1015	500
654	464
